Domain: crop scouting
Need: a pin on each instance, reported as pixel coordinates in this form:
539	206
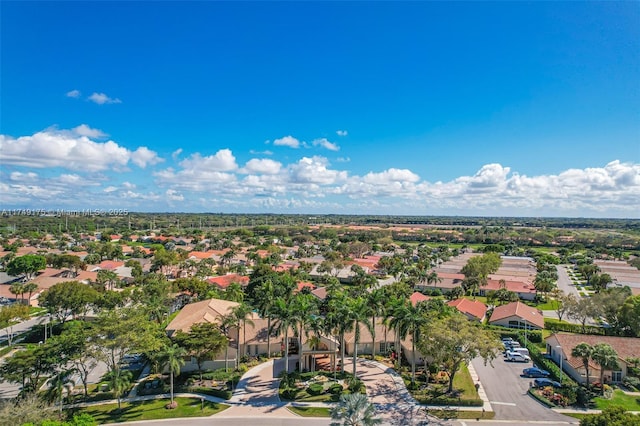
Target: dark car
535	372
542	382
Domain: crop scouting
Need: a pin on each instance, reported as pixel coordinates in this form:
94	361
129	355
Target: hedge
440	401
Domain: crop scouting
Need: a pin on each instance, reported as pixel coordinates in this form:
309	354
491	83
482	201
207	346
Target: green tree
203	341
377	303
354	410
17	289
59	384
107	279
630	315
28	366
454	340
11	314
285	319
29	265
584	352
265	295
68	297
606	357
174	359
242	314
359	312
599	282
119	332
74	349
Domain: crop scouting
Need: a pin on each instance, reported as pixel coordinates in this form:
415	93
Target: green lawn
461	414
310	411
628	402
151	410
436	395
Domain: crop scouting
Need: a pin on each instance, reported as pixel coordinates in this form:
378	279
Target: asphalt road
507	392
564	282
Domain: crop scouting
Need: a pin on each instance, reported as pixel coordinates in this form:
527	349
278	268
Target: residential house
473	309
224	281
560	345
517	315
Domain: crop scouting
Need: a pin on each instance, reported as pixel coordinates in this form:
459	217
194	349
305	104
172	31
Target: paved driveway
564	282
507	392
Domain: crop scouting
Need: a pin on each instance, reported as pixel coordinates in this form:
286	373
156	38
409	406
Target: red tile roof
303	284
518	309
474	308
110	264
418	297
224	281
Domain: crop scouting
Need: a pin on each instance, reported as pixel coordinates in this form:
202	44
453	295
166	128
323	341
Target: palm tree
17	289
376	300
119	380
359	312
234	293
60	383
107	278
304	308
284	319
584	352
30	288
433	278
354	410
226	322
241	314
407	320
265	296
174	359
606	357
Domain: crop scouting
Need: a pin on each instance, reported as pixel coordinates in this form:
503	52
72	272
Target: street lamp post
561	373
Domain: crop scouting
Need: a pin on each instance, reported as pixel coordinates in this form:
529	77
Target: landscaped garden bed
432	389
319	386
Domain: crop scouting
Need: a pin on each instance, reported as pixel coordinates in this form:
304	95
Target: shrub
355	385
335	389
315	389
631	382
290	393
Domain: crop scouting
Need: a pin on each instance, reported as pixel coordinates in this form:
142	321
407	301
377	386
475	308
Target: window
616	376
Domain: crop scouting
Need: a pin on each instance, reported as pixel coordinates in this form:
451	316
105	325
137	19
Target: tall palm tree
174	359
377	302
606	357
584	352
17	289
226	322
285	318
264	299
354	410
359	312
407	320
241	313
305	308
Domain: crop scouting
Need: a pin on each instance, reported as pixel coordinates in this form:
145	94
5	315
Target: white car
517	357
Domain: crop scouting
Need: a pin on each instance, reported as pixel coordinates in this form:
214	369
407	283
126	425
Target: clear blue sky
506	108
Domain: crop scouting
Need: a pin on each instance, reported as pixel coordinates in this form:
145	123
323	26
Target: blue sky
524	109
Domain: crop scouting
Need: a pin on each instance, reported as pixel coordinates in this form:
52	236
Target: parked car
516	357
543	382
535	372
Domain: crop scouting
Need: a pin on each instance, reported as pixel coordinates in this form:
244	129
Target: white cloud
84	130
342	132
173	195
109	189
101	99
143	156
263	166
289	141
314	170
74	94
23	177
323	142
70	150
175	154
343	159
222	161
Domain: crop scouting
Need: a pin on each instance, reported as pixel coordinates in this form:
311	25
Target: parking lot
507	392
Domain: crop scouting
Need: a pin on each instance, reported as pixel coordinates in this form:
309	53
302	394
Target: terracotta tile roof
515	286
450	276
320	293
224	281
110	264
200	255
205	311
474	308
418	297
520	310
626	347
303	284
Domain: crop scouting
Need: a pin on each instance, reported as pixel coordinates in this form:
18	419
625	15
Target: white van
523	351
